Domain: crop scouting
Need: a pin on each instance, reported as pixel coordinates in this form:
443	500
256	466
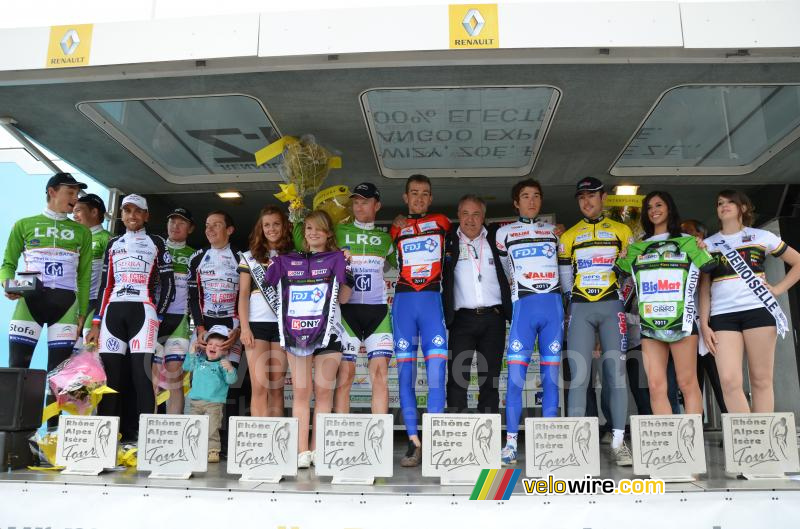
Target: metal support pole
8	123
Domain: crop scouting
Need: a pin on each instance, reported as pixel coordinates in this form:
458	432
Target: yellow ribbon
619	201
273	149
276	148
126	458
329	193
289	194
187	382
95	396
162	397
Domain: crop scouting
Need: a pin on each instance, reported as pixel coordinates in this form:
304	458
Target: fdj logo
542	250
308	295
363	282
428	245
662	286
54	269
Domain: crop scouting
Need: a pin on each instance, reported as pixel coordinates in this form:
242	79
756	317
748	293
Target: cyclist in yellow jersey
586	256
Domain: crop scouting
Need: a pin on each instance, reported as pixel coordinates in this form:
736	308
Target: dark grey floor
405	480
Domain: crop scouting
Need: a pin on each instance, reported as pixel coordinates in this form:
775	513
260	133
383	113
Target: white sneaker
304	459
508	456
622	455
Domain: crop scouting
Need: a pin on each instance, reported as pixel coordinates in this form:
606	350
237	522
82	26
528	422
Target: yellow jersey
590	248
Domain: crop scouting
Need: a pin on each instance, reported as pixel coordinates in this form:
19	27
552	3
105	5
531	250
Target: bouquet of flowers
305	164
78	383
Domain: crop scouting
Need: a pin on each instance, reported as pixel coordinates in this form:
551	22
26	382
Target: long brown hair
743	202
259	246
323	222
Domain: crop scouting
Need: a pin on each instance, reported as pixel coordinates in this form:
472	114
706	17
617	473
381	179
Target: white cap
136	200
219	330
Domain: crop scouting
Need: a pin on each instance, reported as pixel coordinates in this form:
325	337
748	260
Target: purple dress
308	290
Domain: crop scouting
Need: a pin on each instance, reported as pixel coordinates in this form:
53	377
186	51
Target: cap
64	179
93	201
217	330
366	190
181	212
589	184
136	200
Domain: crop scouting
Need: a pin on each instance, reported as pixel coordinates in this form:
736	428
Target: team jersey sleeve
274	272
243	267
391	254
502	251
166	278
14	248
624	265
340	269
444	222
774	244
193	288
699	256
565	276
298	236
625	236
84	279
106	284
189	362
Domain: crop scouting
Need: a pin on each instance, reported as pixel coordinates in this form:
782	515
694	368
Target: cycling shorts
129	325
55	307
370	325
266	330
173	339
742	320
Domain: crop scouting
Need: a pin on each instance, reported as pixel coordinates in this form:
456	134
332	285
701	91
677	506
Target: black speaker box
21	398
14	450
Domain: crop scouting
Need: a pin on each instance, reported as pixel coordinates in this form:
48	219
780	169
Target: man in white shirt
477	303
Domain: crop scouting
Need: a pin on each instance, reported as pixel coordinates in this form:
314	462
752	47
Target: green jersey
371	251
181	255
100	239
666	273
57	248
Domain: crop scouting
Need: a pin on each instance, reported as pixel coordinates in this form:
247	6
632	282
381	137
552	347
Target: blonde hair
322	221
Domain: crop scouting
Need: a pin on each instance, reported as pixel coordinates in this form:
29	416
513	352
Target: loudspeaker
21	398
14	449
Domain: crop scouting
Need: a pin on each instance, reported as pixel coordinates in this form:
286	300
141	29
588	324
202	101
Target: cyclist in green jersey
90	211
173	333
366	317
57	251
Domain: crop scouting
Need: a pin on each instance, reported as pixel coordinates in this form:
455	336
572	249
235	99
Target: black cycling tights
130	375
46	308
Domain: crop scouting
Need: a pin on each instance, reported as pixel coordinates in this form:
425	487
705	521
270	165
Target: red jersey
420	251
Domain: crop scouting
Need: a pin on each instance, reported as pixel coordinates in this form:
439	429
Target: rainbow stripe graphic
495	484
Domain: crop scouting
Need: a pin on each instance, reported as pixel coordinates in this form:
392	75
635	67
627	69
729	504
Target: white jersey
260	309
528	251
729	293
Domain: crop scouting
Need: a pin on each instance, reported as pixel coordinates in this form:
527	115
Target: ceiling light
229	194
626	190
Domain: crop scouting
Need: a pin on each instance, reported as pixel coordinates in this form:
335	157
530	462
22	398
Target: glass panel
714	127
191	136
496	130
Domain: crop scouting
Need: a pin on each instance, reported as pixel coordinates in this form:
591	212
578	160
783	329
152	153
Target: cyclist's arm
193	288
84	279
565	272
106	286
166	277
14	249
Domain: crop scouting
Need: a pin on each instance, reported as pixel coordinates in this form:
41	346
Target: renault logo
70	41
473	22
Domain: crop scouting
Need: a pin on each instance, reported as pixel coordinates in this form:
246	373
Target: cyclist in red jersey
417	315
